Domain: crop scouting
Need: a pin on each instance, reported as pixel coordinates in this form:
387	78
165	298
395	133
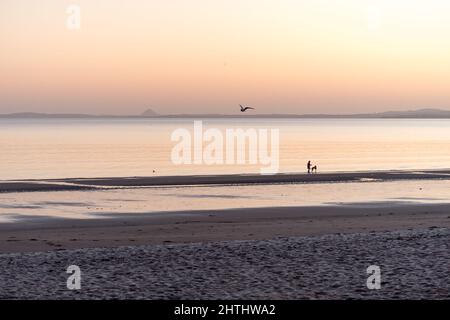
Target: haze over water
61	148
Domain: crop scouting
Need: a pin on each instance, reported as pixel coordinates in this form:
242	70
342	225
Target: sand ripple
414	265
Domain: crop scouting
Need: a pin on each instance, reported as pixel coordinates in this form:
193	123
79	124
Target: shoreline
204	226
73	184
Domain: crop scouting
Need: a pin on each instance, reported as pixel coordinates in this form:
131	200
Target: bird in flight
243	109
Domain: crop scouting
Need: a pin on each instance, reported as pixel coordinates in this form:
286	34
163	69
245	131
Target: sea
126	147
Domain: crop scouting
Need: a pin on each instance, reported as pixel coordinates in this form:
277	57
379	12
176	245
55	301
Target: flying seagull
243	109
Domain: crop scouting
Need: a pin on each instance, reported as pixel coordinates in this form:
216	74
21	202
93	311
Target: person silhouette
308	166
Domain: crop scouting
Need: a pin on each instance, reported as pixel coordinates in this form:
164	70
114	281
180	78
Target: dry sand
414	265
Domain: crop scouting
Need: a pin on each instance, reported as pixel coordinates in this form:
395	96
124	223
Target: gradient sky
179	56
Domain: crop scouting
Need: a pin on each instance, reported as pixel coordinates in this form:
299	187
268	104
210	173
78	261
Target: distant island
149	113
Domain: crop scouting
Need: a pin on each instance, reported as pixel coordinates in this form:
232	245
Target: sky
207	56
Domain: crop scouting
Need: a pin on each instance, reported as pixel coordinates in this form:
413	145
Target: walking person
308	166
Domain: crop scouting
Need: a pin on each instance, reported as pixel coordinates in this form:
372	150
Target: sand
315	252
414	265
41	234
89	183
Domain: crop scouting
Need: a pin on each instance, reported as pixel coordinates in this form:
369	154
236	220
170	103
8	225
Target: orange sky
181	56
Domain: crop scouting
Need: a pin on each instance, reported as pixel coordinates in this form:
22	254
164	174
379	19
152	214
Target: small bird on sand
243	109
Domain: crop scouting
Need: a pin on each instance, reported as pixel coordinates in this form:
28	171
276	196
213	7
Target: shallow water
62	148
104	203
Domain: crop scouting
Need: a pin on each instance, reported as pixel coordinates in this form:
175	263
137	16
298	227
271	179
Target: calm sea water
43	148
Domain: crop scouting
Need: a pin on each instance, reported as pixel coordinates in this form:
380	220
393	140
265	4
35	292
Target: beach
246	150
216	225
133	247
414	265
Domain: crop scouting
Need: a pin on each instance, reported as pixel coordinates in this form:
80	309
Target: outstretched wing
245	108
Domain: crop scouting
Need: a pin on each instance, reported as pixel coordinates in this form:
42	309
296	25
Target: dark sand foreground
414	265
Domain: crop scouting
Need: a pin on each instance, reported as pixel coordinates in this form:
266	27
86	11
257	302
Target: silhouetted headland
149	113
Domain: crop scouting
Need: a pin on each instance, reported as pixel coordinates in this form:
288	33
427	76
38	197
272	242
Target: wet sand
87	183
43	234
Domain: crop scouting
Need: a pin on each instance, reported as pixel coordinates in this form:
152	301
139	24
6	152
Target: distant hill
421	113
149	113
411	114
34	115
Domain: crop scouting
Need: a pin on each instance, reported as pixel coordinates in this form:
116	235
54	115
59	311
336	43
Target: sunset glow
198	56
